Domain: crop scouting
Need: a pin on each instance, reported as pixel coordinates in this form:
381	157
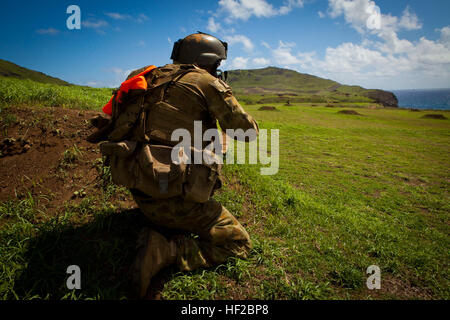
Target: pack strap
171	77
165	81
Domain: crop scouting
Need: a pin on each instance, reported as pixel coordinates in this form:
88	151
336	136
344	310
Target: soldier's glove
102	124
99	121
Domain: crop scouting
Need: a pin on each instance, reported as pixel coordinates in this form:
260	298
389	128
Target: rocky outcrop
386	98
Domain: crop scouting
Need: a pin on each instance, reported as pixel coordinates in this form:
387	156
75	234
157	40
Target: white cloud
286	44
118	76
393	44
409	20
116	70
239	63
261	61
142	18
238	38
94	24
49	31
358	60
114	77
223	64
265	44
212	25
426	64
244	9
117	16
291	4
306	58
427	53
382	58
354	12
445	36
358	13
283	54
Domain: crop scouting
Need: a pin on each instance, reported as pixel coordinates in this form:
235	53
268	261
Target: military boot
154	253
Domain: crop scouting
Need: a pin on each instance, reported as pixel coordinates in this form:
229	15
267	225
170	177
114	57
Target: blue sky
407	47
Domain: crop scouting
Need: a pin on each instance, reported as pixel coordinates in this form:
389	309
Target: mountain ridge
10	69
301	87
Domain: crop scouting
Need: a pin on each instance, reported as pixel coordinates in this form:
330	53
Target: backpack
136	161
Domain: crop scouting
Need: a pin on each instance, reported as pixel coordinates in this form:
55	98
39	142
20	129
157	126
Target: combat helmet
201	49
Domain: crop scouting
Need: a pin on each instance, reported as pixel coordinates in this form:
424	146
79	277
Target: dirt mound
434	116
350	112
267	108
44	155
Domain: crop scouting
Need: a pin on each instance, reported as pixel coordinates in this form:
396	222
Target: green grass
352	191
35	256
71	155
27	92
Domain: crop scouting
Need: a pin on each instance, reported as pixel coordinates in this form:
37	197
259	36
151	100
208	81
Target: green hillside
273	79
271	85
9	69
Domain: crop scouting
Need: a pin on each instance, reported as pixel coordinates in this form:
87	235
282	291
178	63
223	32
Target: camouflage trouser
217	234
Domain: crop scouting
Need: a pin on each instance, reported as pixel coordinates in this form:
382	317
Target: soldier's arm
226	109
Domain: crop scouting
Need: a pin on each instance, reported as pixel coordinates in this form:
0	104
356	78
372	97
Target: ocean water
435	99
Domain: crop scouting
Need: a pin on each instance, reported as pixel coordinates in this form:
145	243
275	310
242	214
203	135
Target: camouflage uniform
220	235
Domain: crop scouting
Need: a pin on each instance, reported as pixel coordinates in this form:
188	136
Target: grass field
27	92
351	191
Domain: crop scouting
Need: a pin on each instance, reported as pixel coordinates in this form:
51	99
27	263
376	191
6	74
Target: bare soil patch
44	154
350	112
396	288
267	108
435	116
